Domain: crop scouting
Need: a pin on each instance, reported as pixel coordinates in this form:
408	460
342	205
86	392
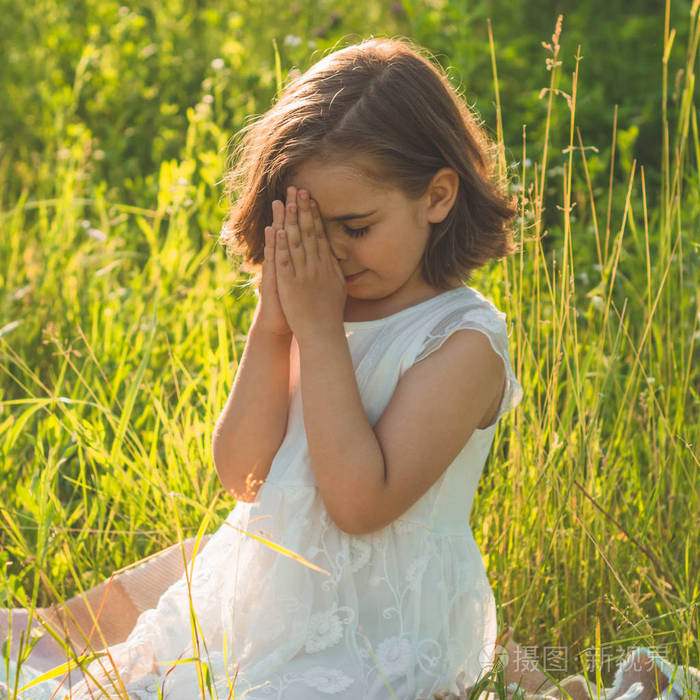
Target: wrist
321	337
258	329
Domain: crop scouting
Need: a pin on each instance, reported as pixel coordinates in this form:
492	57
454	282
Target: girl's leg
116	604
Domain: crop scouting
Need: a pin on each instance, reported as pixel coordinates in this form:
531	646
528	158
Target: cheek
420	218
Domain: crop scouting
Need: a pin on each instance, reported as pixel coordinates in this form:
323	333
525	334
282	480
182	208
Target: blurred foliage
127	79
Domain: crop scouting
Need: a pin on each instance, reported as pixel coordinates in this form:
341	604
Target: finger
284	264
291	226
269	261
322	242
277	214
306	224
269	245
316	218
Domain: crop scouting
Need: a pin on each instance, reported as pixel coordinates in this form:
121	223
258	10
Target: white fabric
416	591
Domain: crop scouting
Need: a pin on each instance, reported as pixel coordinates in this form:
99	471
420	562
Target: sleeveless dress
407	607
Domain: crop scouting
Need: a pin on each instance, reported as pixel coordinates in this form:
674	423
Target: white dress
415	593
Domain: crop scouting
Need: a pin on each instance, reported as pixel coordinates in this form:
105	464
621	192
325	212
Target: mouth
349	278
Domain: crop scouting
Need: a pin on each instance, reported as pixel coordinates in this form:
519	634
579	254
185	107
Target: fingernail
304	194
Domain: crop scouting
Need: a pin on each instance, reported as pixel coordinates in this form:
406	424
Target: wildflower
217	63
9	327
22	291
97	234
597	302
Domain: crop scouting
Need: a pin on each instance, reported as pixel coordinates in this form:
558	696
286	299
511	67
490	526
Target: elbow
357	517
356	526
357	508
343	517
224	472
348	526
224	476
242	485
218	462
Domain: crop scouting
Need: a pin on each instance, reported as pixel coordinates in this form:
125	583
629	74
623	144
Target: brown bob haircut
385	101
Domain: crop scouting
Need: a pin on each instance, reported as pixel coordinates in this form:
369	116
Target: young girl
358	425
363	410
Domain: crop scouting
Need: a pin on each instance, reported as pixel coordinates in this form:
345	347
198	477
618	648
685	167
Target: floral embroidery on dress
403	527
425	658
327	680
379	541
360	553
415	571
325	630
395	656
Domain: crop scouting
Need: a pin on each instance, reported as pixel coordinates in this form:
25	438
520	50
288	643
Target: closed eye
356	232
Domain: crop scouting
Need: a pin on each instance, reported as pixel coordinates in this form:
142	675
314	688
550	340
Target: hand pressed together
269	314
310	282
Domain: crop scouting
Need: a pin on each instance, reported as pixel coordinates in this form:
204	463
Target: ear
441	194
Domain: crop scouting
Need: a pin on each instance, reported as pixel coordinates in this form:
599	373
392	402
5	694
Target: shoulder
462	379
466	359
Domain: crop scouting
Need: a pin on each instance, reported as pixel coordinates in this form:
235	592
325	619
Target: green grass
120	336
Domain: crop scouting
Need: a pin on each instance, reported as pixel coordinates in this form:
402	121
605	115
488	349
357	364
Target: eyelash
356	232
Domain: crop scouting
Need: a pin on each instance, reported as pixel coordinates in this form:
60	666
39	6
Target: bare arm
369	475
253	423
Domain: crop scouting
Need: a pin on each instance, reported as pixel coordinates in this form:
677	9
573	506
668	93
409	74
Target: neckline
377	321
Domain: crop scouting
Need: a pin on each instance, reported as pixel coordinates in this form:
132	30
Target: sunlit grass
119	340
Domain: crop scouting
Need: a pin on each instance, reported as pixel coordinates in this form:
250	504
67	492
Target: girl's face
377	232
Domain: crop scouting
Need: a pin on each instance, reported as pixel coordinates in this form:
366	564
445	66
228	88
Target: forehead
336	186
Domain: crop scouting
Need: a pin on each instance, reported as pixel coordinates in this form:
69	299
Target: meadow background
122	319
